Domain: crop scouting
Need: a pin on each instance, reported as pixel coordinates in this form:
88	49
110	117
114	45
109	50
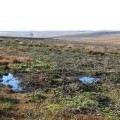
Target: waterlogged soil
59	80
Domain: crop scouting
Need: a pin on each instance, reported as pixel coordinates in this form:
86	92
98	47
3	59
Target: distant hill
92	34
39	34
67	35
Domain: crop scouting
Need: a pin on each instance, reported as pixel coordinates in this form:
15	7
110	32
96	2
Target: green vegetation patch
80	101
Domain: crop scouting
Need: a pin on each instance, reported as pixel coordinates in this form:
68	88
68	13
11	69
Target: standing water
9	80
88	80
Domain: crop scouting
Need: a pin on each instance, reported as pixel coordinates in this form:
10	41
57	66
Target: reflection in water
88	80
11	81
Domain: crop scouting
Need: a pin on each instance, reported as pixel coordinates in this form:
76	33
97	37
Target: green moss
54	107
110	114
36	65
79	101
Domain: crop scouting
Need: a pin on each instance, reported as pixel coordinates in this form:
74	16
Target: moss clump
54	107
110	114
37	65
80	101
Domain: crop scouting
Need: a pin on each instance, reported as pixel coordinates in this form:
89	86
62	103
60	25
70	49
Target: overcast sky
59	15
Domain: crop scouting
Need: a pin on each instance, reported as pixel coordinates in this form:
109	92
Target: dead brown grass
102	40
101	50
90	117
6	59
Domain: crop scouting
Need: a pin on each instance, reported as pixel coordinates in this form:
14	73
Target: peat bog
59	80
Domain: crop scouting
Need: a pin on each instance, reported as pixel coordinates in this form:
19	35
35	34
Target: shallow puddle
10	80
88	79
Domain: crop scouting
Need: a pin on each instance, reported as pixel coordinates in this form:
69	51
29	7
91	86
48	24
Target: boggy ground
49	71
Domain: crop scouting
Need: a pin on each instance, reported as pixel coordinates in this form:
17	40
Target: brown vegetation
6	59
